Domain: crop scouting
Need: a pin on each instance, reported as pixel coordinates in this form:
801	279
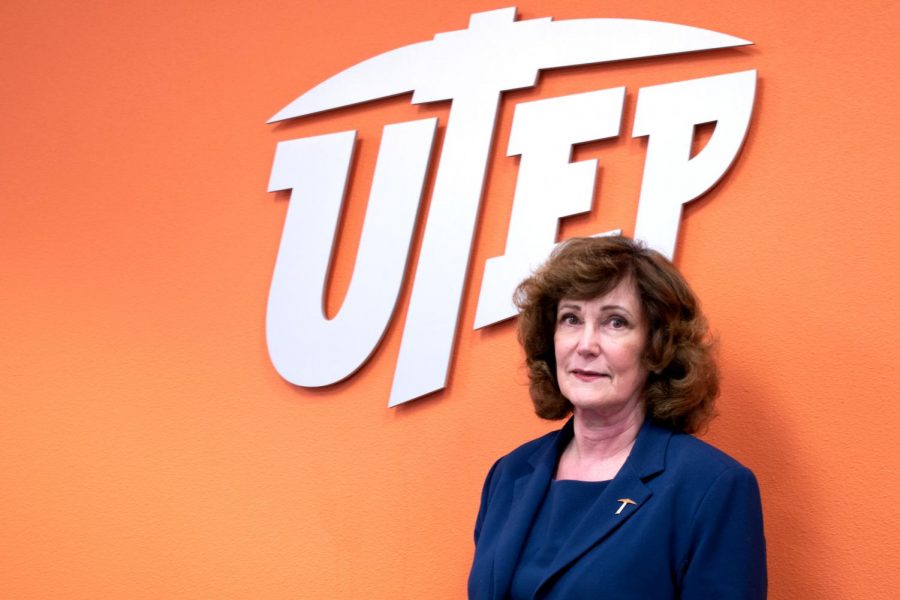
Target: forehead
624	294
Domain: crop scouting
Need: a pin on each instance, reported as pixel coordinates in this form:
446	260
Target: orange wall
148	449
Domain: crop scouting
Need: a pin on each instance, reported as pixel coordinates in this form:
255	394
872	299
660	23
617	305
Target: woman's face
599	344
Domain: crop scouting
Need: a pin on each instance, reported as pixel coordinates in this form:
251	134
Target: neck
601	444
600	437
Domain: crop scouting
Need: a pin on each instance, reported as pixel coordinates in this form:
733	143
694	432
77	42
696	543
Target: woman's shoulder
540	451
529	449
689	453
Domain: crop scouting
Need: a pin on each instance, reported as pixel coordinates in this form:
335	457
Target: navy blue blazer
695	530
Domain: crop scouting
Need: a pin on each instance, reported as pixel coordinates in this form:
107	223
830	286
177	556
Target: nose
588	342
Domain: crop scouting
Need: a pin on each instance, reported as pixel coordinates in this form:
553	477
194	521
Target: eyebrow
562	306
603	308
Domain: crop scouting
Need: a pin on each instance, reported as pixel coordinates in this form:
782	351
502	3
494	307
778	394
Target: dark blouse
567	502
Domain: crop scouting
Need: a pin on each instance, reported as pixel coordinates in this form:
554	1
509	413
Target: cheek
560	346
630	357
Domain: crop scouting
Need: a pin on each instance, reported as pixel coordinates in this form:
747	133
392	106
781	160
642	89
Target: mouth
587	375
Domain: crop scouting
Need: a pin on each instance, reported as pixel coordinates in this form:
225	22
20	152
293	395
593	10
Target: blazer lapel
528	494
647	459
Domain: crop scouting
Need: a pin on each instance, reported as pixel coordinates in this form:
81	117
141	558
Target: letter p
668	114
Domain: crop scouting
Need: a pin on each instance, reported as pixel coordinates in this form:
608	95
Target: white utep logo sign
473	67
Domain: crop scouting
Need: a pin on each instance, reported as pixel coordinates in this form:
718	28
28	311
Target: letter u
306	348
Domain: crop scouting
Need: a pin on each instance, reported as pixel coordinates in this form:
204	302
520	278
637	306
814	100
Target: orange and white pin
625	502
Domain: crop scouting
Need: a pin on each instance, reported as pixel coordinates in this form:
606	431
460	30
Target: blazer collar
647	458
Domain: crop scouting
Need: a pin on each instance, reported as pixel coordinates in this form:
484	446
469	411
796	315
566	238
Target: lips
587	375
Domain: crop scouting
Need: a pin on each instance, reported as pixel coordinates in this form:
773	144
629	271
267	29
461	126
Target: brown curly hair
683	379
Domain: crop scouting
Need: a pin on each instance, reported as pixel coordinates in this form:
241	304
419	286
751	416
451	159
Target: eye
569	319
617	322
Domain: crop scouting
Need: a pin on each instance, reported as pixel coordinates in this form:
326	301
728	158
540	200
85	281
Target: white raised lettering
668	114
471	67
306	348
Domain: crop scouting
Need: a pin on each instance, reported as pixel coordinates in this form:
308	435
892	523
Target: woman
622	502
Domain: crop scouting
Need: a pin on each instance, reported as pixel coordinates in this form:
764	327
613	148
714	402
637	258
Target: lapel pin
625	502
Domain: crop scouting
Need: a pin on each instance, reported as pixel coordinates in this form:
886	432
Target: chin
602	404
595	403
